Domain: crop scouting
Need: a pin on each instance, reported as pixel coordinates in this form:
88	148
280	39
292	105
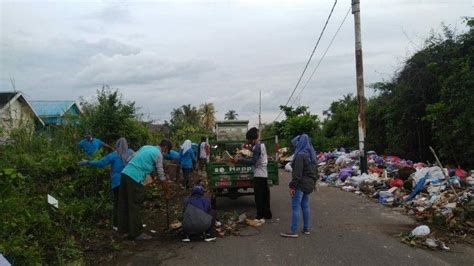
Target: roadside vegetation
430	101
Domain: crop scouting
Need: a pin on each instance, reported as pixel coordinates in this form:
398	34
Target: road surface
347	229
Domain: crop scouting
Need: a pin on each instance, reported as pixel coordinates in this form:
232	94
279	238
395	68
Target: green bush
32	231
35	165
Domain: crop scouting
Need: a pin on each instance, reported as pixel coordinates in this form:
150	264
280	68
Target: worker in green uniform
148	160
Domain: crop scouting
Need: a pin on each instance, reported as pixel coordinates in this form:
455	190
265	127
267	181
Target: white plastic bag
421	231
288	167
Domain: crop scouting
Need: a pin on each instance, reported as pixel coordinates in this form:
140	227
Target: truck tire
213	201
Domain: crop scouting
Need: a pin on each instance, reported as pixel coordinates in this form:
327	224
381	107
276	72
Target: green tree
231	115
340	125
110	118
207	112
427	103
187	123
297	121
185	114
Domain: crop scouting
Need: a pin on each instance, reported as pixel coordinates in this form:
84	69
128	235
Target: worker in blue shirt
117	160
148	160
172	155
91	145
186	159
172	168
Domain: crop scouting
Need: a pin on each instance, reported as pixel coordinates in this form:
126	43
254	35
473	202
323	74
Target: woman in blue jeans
302	184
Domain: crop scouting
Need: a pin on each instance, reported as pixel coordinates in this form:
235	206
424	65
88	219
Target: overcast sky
163	54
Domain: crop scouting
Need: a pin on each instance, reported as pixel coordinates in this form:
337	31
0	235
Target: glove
292	192
83	162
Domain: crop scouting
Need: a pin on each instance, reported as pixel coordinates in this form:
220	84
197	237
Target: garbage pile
243	152
422	236
443	197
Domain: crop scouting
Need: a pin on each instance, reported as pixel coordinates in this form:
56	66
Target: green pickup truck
233	181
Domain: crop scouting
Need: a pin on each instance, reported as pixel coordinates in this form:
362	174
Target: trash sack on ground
421	231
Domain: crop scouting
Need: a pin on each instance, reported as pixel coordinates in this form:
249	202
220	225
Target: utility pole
360	84
260	112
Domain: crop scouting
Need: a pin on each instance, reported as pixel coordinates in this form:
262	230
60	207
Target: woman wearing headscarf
302	184
117	160
198	216
186	159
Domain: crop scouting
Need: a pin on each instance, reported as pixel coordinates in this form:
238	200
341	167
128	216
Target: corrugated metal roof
51	108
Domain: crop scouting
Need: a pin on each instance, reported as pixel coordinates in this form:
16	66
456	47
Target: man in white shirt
204	152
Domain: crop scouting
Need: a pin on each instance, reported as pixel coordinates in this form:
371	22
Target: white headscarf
121	147
186	146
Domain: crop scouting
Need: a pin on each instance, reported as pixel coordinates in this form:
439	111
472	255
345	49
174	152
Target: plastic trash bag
288	167
357	180
421	231
345	173
420	184
461	173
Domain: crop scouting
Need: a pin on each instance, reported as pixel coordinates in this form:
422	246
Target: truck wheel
214	201
233	194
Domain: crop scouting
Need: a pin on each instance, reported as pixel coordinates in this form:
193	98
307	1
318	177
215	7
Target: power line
322	57
310	57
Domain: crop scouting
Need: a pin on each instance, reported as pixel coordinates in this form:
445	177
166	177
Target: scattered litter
288	167
153	231
226	156
52	201
244	152
443	197
431	243
442	245
4	261
242	218
176	225
348	188
435	243
421	231
253	222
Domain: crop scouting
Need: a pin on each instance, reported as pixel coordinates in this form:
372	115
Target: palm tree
207	112
185	114
177	116
191	113
231	115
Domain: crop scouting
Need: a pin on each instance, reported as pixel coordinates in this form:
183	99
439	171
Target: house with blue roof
56	112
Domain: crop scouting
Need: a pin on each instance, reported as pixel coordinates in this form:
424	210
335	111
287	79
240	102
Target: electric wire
310	58
322	57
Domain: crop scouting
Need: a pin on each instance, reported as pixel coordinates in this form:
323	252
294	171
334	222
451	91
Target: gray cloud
137	69
163	54
112	12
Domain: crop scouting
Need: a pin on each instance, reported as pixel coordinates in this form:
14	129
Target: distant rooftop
232	121
51	108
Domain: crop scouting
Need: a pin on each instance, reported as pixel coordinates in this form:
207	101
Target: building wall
16	115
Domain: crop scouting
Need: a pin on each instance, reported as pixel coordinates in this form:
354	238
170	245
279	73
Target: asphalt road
347	229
